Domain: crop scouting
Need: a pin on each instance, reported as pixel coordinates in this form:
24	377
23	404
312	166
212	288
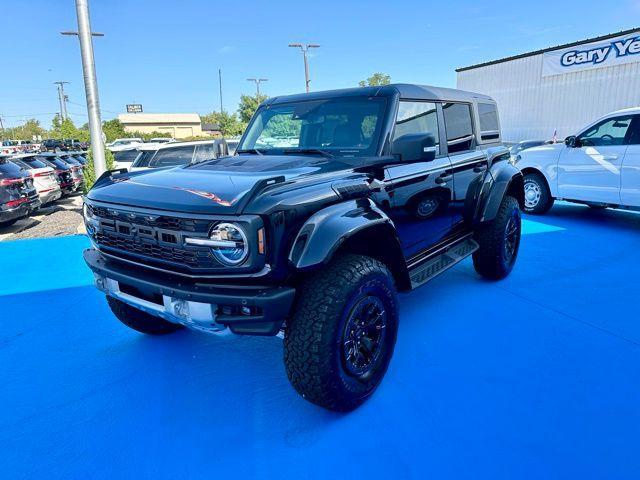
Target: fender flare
323	233
502	179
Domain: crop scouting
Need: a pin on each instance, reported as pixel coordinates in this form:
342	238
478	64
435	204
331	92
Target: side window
169	157
205	152
417	117
488	114
457	122
634	134
610	132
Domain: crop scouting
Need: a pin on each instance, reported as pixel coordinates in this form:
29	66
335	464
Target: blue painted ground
537	376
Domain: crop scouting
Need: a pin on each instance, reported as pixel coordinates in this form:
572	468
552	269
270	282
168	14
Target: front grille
154	239
178	256
160	221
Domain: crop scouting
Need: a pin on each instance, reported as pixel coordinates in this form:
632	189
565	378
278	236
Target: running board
442	262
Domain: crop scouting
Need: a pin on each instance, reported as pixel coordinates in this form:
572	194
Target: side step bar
433	267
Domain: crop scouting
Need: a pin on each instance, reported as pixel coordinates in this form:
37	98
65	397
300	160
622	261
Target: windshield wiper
253	151
311	151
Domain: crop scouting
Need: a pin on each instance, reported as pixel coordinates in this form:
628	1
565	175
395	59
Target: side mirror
572	141
415	147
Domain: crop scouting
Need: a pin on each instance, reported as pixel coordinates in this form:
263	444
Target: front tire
340	339
537	196
140	321
499	242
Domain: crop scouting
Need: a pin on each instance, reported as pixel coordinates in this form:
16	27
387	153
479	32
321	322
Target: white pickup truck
599	167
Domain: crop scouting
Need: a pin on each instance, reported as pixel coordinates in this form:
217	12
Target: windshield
144	158
126	155
340	126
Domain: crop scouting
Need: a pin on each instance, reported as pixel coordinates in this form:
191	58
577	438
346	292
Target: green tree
229	124
89	170
27	131
248	106
114	129
66	129
376	80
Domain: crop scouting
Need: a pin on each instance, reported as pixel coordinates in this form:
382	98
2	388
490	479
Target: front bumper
202	306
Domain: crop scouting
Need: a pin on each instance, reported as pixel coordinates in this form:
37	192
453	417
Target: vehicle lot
64	217
543	384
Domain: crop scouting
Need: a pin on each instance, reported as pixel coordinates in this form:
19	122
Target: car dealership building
560	89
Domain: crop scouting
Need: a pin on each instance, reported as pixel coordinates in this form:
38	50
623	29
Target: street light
257	81
84	33
305	49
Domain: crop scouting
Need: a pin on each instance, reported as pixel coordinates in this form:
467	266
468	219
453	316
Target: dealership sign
134	108
614	51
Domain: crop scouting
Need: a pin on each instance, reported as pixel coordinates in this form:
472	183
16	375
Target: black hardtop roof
405	90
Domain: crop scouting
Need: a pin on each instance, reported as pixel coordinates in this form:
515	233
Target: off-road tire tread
140	321
309	334
487	260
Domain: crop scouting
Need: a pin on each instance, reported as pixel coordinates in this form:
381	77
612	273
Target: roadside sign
134	108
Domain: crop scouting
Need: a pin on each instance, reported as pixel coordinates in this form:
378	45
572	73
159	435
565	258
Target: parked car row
31	180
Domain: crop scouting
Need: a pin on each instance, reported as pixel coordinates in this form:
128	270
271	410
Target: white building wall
533	107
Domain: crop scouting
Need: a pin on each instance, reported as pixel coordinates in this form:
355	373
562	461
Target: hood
216	186
537	156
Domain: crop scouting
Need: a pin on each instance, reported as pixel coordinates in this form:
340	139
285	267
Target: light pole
257	81
62	99
305	49
90	84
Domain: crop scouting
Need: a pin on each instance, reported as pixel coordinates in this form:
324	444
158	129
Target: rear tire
499	242
537	196
140	321
340	339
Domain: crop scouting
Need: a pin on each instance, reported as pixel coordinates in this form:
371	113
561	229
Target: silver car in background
44	177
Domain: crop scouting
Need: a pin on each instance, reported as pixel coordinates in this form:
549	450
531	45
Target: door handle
480	169
442	179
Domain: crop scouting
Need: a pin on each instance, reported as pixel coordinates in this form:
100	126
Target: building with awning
177	125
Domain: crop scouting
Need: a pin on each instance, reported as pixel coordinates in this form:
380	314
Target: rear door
630	185
420	199
592	170
468	163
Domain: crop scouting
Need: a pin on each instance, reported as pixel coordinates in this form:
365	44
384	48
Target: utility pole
257	81
220	83
62	98
90	84
305	49
1	124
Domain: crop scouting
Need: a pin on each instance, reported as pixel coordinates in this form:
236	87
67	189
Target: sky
166	54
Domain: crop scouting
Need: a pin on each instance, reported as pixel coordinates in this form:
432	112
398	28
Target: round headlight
234	247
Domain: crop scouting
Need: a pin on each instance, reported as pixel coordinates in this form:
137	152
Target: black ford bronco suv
334	202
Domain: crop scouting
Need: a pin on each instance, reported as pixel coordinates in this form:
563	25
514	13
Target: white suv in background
599	167
163	155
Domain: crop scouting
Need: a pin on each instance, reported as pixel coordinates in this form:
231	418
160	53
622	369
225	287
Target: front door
420	193
630	191
592	170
